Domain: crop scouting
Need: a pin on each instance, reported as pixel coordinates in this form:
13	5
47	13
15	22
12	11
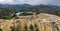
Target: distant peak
27	4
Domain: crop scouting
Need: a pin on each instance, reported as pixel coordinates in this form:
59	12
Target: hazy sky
32	2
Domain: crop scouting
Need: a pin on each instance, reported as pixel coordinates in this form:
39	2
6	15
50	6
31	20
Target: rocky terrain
40	22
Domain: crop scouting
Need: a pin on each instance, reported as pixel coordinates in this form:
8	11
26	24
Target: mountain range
28	6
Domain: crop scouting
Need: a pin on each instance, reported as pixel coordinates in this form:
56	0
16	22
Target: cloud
5	1
32	2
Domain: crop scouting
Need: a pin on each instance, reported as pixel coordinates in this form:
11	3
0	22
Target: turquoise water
19	13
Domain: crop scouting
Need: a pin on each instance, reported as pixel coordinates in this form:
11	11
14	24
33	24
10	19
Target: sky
31	2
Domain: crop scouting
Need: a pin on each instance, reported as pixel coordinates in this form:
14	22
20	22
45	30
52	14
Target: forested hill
7	9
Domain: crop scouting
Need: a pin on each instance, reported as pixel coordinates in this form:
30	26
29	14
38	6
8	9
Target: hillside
41	22
7	9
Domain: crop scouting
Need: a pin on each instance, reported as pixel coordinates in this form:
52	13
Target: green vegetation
26	28
25	14
37	29
1	29
5	13
35	25
8	17
17	29
14	28
31	27
57	28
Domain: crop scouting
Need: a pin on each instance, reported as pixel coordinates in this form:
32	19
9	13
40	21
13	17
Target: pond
19	13
23	13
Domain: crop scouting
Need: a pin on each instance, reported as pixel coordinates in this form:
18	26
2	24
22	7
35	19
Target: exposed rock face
43	21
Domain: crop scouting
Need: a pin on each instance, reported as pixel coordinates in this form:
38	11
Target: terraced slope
43	21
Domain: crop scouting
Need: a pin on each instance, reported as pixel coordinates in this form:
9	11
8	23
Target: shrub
37	29
1	29
26	28
31	27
